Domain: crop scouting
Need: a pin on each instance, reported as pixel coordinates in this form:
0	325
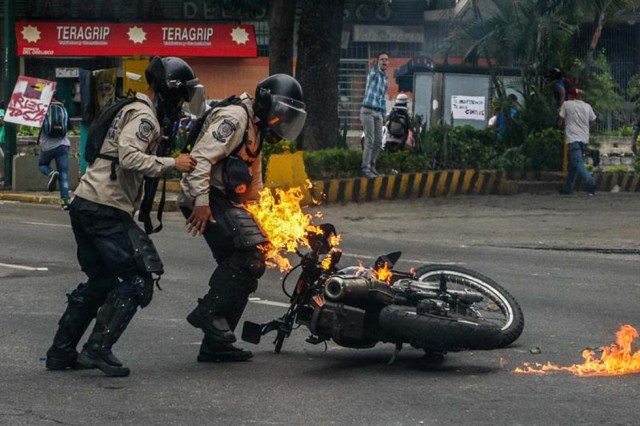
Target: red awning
113	39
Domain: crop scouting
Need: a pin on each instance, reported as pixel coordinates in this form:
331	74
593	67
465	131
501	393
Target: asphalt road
572	262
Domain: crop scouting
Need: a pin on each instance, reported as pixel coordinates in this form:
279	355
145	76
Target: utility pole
10	60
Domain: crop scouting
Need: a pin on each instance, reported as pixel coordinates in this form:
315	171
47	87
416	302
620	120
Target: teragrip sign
116	39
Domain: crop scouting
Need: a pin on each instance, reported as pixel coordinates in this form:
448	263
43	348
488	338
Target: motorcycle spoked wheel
498	307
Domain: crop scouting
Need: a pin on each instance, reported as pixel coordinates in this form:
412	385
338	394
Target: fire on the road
616	359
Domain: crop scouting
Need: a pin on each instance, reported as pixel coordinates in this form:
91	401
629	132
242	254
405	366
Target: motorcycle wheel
434	332
498	307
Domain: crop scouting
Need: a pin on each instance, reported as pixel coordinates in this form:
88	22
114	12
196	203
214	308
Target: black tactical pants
237	273
118	259
105	252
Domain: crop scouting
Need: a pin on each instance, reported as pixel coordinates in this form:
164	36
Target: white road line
58	225
268	302
26	268
423	261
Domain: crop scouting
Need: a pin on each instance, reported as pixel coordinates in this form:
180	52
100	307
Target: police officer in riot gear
229	173
118	258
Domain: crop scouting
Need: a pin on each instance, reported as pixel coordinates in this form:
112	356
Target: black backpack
98	132
398	123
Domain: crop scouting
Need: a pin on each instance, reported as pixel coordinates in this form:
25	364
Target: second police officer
227	149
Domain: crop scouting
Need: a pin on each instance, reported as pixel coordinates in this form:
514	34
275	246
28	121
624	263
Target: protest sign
29	101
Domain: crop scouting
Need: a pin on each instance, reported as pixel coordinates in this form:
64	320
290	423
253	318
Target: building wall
226	76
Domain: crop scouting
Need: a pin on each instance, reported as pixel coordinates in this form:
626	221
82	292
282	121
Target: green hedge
343	163
438	148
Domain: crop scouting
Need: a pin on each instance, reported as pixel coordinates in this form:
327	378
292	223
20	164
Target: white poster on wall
468	107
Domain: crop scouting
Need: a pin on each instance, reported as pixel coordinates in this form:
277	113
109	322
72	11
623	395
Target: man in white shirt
576	118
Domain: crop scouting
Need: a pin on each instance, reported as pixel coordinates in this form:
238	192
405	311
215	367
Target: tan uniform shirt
133	138
221	133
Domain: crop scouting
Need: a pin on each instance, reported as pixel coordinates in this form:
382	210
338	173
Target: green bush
337	163
445	147
512	160
601	90
626	132
616	170
543	150
402	162
28	131
35	131
332	163
461	147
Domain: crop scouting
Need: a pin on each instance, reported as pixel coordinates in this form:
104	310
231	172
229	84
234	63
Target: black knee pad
138	287
145	254
144	289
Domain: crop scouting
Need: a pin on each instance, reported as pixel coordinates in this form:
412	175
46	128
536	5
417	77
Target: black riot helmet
279	104
173	81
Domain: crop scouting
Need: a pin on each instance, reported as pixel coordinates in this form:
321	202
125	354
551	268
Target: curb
442	183
29	198
171	204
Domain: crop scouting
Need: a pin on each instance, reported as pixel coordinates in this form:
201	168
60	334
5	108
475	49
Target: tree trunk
281	24
595	39
319	37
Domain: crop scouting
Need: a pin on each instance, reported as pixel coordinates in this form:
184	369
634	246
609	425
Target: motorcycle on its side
437	308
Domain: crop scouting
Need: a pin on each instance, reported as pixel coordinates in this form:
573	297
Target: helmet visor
287	117
187	88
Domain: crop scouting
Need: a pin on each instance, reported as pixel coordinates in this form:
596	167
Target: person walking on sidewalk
373	112
55	145
576	118
118	258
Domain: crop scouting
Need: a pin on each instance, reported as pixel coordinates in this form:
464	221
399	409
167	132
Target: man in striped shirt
372	113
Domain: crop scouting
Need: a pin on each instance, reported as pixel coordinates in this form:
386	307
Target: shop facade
101	34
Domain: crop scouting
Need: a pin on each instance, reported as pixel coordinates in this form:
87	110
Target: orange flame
615	360
326	262
383	273
286	226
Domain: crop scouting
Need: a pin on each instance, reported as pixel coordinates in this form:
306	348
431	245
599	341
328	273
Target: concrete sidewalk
432	184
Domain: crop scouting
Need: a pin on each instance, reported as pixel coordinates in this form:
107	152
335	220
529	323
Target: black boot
113	317
74	322
207	318
213	350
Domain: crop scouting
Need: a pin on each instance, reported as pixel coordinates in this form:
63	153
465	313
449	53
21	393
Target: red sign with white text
113	39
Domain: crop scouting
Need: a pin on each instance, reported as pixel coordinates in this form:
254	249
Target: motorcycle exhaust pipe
357	290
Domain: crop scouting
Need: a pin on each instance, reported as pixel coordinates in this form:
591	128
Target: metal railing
352	78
